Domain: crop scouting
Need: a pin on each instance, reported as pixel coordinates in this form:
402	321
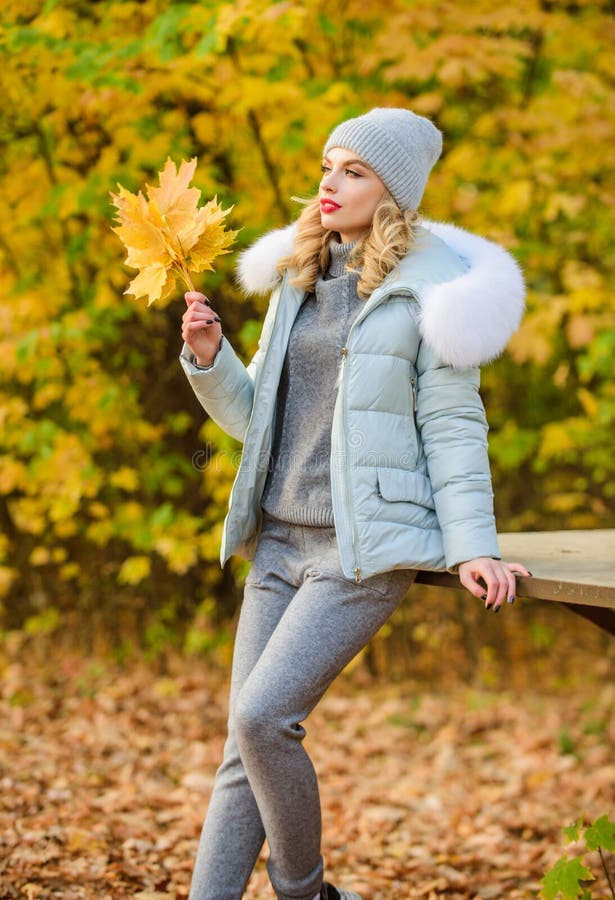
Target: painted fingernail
217	319
496	608
529	573
483	596
511	599
209	321
206	302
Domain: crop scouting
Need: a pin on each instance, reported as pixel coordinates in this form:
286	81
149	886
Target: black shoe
328	892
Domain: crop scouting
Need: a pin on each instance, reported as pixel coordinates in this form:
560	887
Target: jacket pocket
405	486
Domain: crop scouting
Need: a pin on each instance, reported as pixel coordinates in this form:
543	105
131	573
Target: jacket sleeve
225	389
453	426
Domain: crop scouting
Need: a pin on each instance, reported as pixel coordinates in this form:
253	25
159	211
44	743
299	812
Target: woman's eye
324	169
353	173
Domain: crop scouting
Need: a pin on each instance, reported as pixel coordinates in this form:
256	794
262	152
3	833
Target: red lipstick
327	205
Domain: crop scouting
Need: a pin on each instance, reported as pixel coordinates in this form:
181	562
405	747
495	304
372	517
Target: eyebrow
351	162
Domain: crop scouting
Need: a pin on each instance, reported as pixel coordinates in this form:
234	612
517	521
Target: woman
364	459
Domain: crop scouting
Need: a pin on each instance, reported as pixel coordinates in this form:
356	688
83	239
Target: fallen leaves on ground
105	775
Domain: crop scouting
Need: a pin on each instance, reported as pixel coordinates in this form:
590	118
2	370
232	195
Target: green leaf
565	742
601	834
44	622
18	38
572	831
210	41
163	516
164	33
26	348
327	25
564	879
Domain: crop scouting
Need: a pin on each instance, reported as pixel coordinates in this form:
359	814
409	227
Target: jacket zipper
357	568
344	353
413	388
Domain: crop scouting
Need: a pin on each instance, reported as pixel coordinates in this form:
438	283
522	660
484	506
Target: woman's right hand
201	328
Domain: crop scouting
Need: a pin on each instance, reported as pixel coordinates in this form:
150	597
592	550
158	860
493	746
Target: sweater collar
340	257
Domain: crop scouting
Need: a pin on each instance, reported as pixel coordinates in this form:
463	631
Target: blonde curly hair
391	235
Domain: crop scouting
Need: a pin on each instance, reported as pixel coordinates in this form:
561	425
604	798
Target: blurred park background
113	486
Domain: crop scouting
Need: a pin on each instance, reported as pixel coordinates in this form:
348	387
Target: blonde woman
364	460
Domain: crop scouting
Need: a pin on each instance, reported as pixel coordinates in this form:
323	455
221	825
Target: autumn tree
113	486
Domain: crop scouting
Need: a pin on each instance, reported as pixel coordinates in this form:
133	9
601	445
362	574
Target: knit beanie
400	147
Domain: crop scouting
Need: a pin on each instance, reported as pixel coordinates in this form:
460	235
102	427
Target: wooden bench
574	568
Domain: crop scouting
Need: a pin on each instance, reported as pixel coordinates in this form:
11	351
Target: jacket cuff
480	542
465	514
189	363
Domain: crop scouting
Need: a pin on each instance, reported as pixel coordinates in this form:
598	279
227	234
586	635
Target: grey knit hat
400	146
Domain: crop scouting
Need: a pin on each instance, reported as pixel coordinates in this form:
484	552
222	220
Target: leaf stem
183	266
606	871
184	274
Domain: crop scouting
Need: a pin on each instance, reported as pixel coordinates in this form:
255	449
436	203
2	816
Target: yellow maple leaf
166	234
213	239
153	281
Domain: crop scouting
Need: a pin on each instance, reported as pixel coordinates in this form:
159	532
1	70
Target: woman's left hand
497	575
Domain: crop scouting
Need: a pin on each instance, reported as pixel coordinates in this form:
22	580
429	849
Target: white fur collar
467	321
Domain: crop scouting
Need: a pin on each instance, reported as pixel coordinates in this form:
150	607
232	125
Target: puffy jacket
410	479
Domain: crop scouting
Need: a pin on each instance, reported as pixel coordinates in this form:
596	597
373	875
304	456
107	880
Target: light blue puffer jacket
410	478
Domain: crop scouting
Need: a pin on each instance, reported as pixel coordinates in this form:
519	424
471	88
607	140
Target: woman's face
349	194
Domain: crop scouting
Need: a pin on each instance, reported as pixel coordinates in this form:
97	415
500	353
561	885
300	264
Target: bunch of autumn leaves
167	235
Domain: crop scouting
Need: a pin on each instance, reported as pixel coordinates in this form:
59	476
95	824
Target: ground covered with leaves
442	791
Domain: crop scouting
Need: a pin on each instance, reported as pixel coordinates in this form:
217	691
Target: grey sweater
298	487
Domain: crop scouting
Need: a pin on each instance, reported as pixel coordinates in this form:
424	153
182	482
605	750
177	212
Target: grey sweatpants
301	623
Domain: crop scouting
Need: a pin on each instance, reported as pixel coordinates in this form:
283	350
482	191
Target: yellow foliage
515	198
566	502
569	205
134	570
589	402
179	555
125	478
98	510
209	544
40	556
28	515
8	576
12	475
580	330
533	341
58	477
177	542
69	571
64	527
578	276
556	440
